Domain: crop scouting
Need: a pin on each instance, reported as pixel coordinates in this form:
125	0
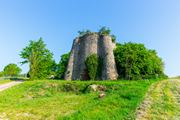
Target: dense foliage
11	70
63	65
134	61
92	66
39	59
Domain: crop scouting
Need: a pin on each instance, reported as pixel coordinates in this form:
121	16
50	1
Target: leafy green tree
12	70
92	66
62	66
39	59
134	61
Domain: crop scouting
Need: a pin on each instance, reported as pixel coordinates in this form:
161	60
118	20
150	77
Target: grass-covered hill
51	100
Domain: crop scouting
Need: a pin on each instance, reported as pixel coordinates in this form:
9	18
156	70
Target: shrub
62	66
83	32
92	66
135	61
105	31
113	37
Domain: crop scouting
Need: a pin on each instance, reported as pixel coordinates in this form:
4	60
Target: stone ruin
86	45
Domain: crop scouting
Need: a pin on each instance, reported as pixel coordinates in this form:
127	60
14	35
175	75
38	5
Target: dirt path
8	85
162	102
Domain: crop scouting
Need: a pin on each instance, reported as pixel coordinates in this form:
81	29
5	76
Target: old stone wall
109	71
91	43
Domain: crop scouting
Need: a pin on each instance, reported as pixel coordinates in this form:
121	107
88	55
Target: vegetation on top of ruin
84	32
107	31
102	31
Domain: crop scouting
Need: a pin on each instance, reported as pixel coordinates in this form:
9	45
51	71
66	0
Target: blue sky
156	23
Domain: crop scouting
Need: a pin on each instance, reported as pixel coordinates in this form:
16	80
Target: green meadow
63	100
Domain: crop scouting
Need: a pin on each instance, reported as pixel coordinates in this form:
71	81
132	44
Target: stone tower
91	43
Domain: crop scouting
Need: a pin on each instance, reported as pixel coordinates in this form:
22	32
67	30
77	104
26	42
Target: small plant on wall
106	31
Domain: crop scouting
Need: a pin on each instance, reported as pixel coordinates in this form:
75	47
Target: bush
113	37
84	32
62	66
134	61
105	31
92	66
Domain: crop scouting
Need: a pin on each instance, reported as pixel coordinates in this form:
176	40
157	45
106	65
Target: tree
39	59
11	70
134	61
62	66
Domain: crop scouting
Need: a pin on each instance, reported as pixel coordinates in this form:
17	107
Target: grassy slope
70	100
4	81
163	102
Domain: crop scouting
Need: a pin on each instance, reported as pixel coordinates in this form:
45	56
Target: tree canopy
134	61
11	70
39	59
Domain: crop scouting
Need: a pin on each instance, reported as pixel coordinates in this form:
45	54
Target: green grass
4	81
163	101
61	100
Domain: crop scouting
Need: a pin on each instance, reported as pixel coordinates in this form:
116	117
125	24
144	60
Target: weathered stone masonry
91	43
